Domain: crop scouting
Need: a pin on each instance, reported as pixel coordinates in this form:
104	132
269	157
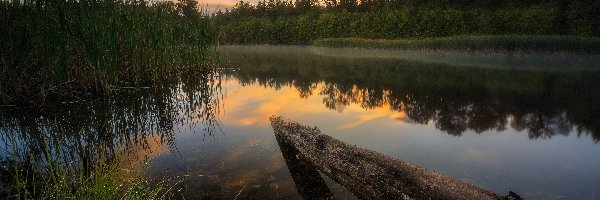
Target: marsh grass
526	43
65	47
105	181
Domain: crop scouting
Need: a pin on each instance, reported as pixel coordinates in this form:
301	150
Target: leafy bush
413	19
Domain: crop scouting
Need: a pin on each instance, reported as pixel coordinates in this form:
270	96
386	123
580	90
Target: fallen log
309	183
372	175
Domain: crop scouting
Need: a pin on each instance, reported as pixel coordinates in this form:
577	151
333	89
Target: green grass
105	181
64	47
525	43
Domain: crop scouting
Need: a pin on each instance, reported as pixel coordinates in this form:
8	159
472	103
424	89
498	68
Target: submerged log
372	175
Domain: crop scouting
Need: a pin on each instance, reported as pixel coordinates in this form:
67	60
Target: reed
67	47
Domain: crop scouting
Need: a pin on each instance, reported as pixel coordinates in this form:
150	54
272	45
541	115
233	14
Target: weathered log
309	183
372	175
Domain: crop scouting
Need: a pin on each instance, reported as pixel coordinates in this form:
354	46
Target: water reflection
212	131
541	103
75	134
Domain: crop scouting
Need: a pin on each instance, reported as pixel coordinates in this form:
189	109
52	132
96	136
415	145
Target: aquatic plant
103	181
66	48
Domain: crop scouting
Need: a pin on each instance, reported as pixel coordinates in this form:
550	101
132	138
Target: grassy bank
64	47
476	43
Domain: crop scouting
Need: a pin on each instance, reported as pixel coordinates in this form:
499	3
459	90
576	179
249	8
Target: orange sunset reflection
252	105
144	150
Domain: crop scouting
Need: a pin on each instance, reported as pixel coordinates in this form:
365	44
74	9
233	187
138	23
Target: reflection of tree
541	126
77	134
455	99
416	109
305	88
337	97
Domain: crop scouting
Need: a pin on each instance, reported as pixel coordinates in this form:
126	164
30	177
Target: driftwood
367	174
309	183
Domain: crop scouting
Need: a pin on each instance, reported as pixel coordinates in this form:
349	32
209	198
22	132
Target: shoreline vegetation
69	48
488	24
58	52
105	181
486	43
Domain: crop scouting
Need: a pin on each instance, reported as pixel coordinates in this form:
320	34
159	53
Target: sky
214	5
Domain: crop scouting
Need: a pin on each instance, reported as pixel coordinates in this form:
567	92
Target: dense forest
302	21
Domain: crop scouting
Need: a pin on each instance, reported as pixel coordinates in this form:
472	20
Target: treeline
302	21
63	46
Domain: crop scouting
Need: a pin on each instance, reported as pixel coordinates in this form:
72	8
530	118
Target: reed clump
65	47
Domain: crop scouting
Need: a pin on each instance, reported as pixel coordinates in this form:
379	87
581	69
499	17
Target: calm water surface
529	123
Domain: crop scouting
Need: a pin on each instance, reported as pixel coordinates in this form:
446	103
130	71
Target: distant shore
521	43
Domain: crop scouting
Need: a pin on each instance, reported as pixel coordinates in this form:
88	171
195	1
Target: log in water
368	174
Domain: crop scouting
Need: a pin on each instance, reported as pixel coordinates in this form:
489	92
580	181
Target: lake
523	122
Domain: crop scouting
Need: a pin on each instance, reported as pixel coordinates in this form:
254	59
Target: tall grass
486	43
59	47
106	181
